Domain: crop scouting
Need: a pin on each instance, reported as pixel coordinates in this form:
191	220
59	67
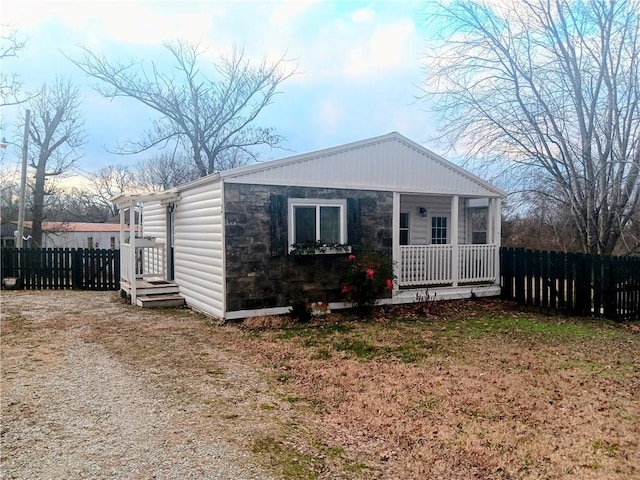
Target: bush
368	278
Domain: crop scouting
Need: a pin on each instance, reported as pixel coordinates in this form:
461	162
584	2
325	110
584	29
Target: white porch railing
153	261
432	264
477	263
125	270
150	262
425	265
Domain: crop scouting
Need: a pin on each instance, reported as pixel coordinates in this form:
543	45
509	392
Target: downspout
169	237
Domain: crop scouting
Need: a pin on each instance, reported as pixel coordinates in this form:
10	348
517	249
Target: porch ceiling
124	200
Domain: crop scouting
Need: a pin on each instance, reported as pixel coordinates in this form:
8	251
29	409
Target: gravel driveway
70	410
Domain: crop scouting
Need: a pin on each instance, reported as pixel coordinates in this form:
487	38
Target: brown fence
573	283
61	268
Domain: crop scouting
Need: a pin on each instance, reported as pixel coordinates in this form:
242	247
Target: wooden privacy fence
573	283
62	268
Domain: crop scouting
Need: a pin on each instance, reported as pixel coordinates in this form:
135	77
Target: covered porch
446	244
144	259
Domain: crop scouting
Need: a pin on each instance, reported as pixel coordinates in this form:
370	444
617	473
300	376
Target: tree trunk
38	203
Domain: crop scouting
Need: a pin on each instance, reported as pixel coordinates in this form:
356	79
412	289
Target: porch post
491	222
132	251
395	237
497	234
123	258
454	240
123	213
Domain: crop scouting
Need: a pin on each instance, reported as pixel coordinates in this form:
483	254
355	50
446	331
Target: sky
359	64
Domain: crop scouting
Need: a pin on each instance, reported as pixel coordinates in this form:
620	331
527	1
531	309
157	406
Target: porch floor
443	292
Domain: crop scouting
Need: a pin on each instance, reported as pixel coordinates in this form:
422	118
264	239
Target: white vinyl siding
154	221
435	206
199	248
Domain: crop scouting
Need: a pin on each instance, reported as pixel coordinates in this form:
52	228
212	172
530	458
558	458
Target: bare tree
165	171
9	196
209	117
55	135
547	92
10	46
109	182
81	205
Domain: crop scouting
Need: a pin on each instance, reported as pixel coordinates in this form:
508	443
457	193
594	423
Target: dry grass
474	390
449	390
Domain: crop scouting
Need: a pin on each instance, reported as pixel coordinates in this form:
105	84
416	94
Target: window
317	220
404	228
89	242
113	243
478	225
439	230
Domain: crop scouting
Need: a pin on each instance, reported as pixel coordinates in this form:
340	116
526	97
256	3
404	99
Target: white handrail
432	264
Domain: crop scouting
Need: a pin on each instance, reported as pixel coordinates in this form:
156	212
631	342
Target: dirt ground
94	388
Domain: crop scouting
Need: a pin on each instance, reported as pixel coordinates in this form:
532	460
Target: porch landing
154	293
414	295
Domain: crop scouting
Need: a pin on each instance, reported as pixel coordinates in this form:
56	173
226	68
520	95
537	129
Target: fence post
561	274
77	269
583	285
570	269
552	280
520	256
506	271
596	266
609	287
116	270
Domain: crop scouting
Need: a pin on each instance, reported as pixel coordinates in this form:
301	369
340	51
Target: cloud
127	22
357	60
389	47
363	15
289	12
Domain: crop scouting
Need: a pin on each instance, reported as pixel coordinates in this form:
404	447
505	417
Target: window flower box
317	248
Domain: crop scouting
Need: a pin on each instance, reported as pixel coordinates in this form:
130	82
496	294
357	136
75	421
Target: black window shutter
354	221
279	233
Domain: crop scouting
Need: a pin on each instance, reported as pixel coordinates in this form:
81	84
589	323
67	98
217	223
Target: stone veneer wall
256	279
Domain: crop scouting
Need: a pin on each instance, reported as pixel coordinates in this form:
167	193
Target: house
76	235
7	233
226	240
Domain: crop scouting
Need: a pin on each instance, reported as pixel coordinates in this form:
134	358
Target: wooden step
160	301
144	287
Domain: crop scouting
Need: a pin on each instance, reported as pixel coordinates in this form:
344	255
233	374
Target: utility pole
23	179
